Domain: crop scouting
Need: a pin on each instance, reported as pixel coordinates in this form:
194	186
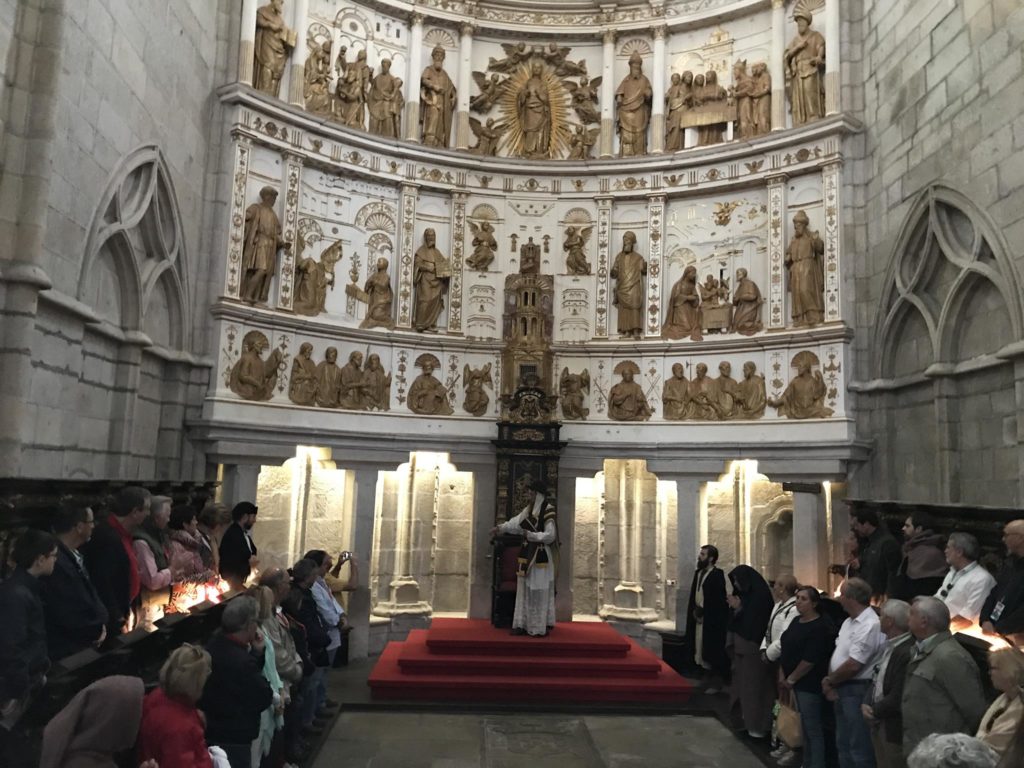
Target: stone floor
396	739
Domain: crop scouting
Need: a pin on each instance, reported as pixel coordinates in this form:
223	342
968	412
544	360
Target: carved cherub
487	136
723	212
484	246
514	55
572	387
575	239
584	98
490	92
582	142
473	380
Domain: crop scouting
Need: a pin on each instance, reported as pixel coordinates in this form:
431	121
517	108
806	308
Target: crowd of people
876	676
254	696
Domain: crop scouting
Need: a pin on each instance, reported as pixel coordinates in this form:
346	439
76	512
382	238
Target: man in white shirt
849	674
967	584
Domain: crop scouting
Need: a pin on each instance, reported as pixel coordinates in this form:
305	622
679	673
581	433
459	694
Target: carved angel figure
582	142
514	55
575	239
723	212
313	278
487	136
490	92
584	98
573	387
474	379
484	245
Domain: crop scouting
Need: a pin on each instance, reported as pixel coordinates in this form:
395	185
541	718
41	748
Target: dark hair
273	578
181	515
242	509
69	514
303	569
712	552
922	520
130	498
812	594
317	556
539	486
32	545
869	516
214	514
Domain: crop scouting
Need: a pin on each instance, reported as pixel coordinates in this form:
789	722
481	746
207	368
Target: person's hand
734	601
254	561
494	532
988	628
868	712
786	684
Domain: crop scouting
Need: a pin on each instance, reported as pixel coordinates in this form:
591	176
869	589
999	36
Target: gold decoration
523	78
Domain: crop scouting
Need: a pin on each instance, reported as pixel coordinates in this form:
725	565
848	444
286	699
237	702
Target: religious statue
262	236
761	96
351	383
750	394
302	387
704	397
806	273
490	91
573	387
633	102
514	55
313	278
742	88
379	297
728	390
746	302
710	92
805	63
427	395
431	273
473	381
352	87
628	272
529	258
582	142
437	102
317	79
487	134
328	380
484	245
584	98
376	385
677	101
385	103
533	106
683	318
709	292
252	377
557	57
274	43
575	239
626	400
804	398
675	395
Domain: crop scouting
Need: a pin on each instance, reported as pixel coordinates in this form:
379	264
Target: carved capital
776	4
467	29
609	36
416	19
776	179
660	31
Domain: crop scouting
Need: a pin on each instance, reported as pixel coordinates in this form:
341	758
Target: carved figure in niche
633	102
487	136
302	387
626	400
805	64
274	43
341	64
385	103
746	302
484	245
317	79
675	395
628	272
313	278
437	102
351	383
715	310
804	398
581	145
379	298
427	395
804	261
711	92
728	390
575	240
431	273
677	101
473	380
750	394
584	98
709	292
704	396
684	316
529	258
259	253
490	92
252	377
328	380
514	55
761	96
376	385
533	105
742	92
352	92
573	387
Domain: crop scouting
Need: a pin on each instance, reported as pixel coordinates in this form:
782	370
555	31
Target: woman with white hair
1000	722
952	750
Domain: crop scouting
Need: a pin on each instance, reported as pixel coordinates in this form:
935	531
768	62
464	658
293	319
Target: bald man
1003	611
784	592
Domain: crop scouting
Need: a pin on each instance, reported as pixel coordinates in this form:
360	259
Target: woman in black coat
752	684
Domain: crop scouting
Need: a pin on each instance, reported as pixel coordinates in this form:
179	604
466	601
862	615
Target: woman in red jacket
172	727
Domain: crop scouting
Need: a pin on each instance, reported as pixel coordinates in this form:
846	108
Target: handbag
788	726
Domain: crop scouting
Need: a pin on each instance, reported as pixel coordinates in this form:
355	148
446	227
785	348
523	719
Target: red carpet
469	660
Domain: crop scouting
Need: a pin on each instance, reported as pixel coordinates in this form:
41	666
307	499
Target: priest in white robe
535	577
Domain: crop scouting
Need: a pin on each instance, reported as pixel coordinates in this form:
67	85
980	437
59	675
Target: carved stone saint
313	278
317	79
750	394
328	380
746	302
533	106
262	237
302	387
575	259
806	273
761	95
628	272
727	391
427	395
678	99
431	273
376	385
626	400
742	92
379	298
274	43
704	396
675	395
488	134
683	319
473	380
581	145
351	383
529	258
804	398
484	246
633	102
252	377
352	87
804	62
710	92
437	102
385	103
573	387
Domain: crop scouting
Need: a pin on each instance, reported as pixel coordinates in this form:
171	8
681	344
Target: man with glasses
967	584
1003	611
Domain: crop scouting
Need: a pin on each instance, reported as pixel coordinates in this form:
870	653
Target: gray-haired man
967	584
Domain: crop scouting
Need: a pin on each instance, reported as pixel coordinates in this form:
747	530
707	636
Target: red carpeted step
478	637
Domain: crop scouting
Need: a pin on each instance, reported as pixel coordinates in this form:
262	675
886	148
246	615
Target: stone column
362	546
658	90
482	553
688	491
234	271
412	80
810	536
656	233
776	68
463	85
947	422
406	252
239	483
409	535
1018	390
629	524
458	244
289	220
833	241
608	94
832	74
297	82
777	250
565	504
604	233
247	43
123	401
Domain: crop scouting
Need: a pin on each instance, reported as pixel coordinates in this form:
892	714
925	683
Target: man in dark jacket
75	616
236	692
880	553
1003	611
304	574
884	697
708	615
237	549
